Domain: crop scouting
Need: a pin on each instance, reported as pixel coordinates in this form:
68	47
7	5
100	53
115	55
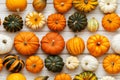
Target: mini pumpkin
56	22
13	63
1	64
77	22
26	43
16	76
89	63
111	64
86	75
63	76
35	20
15	5
108	78
72	62
6	44
111	22
93	25
52	43
34	64
13	23
41	78
85	5
54	63
39	5
108	6
62	6
115	43
75	46
98	45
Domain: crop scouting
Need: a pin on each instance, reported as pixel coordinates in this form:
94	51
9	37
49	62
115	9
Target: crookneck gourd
13	63
13	23
85	5
54	63
77	21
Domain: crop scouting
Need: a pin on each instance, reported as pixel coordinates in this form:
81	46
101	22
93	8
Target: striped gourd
13	63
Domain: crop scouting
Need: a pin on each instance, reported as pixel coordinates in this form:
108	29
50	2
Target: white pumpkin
115	43
93	25
108	78
108	6
89	63
72	62
6	44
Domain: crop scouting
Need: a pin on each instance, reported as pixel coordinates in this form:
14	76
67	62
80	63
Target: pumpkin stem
4	41
36	19
109	21
112	63
25	43
56	22
62	3
98	43
34	65
86	1
53	41
53	64
108	3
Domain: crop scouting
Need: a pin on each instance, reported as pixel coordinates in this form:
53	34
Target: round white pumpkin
115	43
108	78
72	62
108	6
6	44
89	63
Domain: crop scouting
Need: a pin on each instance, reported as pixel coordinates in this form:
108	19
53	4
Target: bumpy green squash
54	63
77	22
13	23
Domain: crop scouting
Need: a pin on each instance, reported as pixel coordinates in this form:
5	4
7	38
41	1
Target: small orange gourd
16	5
98	45
111	64
1	64
56	22
62	76
34	64
62	6
111	22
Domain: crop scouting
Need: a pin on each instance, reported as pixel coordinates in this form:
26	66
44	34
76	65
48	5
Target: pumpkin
54	63
13	23
108	78
26	43
93	25
41	78
15	5
115	43
75	45
62	6
35	20
85	5
16	76
72	62
108	6
98	45
6	44
13	63
77	21
111	22
111	64
52	43
39	5
34	64
62	76
56	22
0	21
1	64
86	75
89	63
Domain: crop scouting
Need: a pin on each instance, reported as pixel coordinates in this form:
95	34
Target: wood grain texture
66	33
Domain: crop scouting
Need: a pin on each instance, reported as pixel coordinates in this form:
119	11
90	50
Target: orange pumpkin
1	64
26	43
34	64
98	45
62	6
52	43
56	22
62	76
16	5
111	64
111	22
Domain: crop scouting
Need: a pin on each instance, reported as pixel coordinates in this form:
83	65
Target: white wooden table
66	33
